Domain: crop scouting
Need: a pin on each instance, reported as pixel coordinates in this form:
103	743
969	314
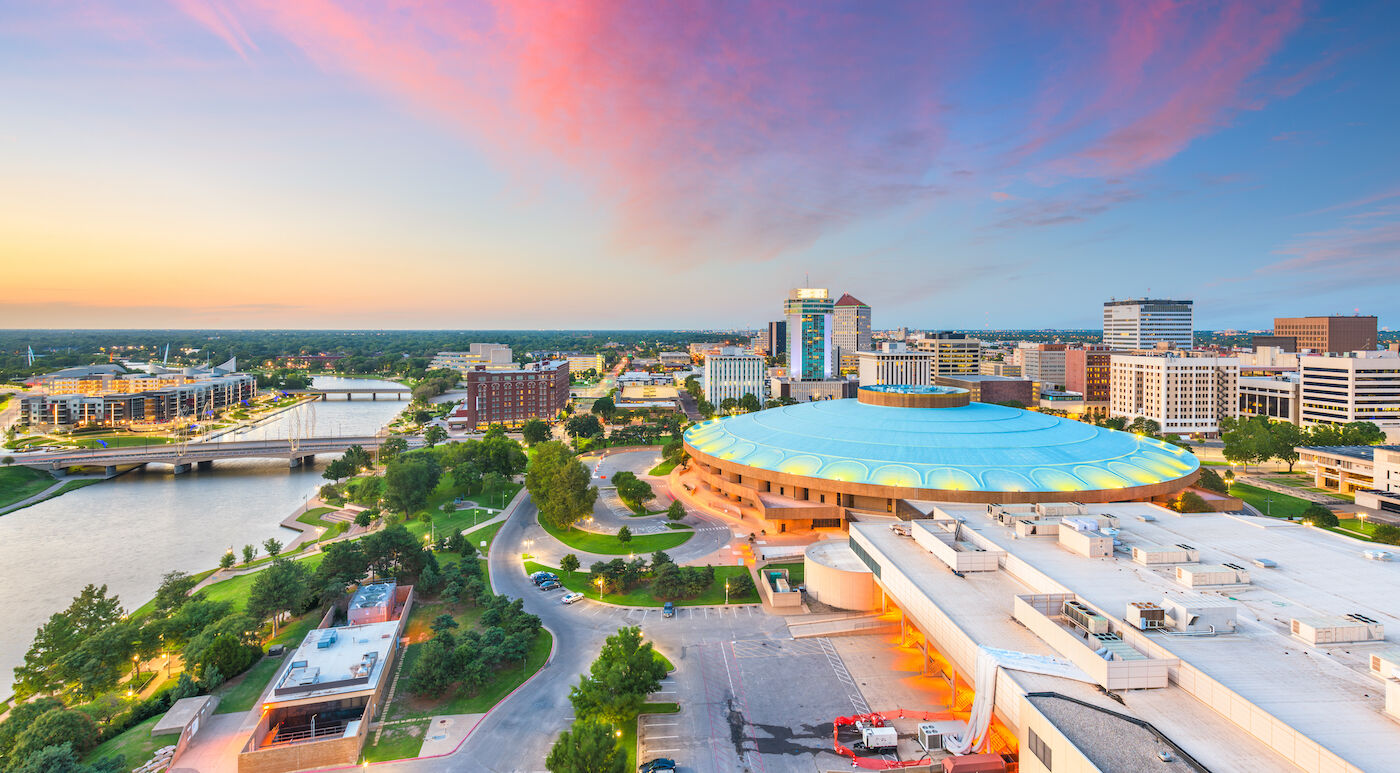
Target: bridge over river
397	392
184	456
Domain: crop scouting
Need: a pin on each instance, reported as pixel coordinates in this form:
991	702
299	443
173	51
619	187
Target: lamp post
726	593
599	583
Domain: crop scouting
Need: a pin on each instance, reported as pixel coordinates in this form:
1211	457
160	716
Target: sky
514	164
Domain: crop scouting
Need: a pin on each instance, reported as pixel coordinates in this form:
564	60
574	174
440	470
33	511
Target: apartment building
734	373
1361	386
850	333
1087	372
1145	322
954	354
1183	394
1329	335
538	390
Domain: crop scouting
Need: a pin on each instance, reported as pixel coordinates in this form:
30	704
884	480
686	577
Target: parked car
571	597
541	578
550	585
668	609
657	765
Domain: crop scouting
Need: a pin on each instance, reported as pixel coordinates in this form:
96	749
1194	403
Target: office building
809	312
476	356
1144	323
676	360
1384	492
1328	335
1281	343
991	389
850	331
1184	395
1000	368
579	363
893	362
734	373
806	466
1361	386
1043	364
1087	371
1262	669
777	338
325	694
954	354
1272	396
537	390
1347	469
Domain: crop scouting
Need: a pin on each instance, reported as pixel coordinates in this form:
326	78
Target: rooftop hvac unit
1146	616
1085	618
1377	555
934	735
1147	518
1265	563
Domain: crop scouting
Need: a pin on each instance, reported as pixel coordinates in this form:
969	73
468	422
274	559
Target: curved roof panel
975	447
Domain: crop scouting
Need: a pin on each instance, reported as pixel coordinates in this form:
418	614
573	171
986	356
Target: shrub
1317	515
1191	502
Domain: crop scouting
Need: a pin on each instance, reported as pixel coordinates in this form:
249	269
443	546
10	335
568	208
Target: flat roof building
809	311
538	390
732	373
954	354
1142	323
1328	335
477	356
991	389
1184	395
1355	387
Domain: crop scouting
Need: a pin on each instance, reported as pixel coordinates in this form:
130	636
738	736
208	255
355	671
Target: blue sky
248	163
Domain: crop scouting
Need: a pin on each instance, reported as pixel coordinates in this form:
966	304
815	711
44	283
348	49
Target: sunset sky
514	164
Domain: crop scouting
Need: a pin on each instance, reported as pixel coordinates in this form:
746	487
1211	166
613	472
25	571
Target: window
1039	748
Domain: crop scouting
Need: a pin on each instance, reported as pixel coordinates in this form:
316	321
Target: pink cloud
746	130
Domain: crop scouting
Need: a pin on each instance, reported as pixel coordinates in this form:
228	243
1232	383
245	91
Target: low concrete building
1348	468
991	389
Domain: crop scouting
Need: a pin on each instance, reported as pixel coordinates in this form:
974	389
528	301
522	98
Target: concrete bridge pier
297	461
206	464
110	471
181	469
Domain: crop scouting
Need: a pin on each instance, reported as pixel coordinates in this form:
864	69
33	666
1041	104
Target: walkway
51	491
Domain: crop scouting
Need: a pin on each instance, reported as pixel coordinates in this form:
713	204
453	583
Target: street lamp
726	593
599	582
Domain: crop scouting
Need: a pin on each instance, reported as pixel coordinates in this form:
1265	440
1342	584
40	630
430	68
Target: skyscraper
850	331
777	338
1142	323
809	311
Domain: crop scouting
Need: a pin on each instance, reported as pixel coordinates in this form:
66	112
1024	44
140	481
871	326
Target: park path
46	493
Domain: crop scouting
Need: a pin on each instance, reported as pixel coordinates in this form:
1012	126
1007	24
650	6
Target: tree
174	590
226	648
587	747
1317	515
393	551
559	485
362	519
281	587
391	448
434	435
432	672
20	718
1284	439
749	403
583	425
1386	533
338	469
675	511
358	457
409	480
624	535
61	758
569	563
272	546
248	553
90	612
1211	481
227	560
625	672
1191	502
728	405
55	727
1249	441
535	431
605	408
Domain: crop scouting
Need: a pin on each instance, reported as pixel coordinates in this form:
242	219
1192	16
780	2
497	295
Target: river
128	531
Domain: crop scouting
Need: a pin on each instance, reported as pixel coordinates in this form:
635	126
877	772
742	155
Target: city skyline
244	164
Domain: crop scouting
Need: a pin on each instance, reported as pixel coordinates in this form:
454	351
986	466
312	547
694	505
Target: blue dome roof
975	447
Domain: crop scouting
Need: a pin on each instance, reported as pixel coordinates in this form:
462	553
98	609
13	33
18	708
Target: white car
570	598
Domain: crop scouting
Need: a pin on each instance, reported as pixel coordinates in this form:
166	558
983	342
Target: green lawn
135	746
124	441
629	728
312	517
1270	502
241	693
19	483
641	596
796	571
485	534
1353	527
608	544
397	742
500	685
663	469
236	589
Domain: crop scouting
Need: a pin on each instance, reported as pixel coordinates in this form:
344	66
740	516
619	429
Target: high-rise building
1340	389
1086	372
809	327
1143	323
1332	335
777	338
850	331
734	373
1184	395
954	354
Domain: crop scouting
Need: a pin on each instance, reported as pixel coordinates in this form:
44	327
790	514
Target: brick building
538	390
1086	372
1334	335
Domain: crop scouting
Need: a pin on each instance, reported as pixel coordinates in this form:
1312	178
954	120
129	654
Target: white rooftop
352	660
1325	691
